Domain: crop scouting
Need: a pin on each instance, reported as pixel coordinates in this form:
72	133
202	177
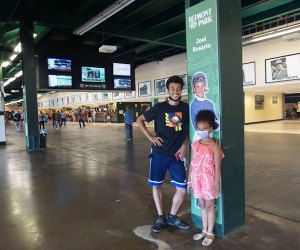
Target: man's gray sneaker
159	224
173	220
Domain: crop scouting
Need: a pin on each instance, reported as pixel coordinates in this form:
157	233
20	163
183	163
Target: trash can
43	138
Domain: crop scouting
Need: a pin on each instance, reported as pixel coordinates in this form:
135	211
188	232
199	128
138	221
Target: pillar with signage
2	114
214	55
29	80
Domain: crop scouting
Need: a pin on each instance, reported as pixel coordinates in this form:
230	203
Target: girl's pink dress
203	171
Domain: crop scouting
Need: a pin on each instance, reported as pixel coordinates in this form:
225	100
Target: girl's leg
211	215
204	215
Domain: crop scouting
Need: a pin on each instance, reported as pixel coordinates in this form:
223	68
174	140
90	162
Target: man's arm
218	159
157	141
184	147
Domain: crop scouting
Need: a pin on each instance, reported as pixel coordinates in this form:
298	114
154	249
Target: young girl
205	173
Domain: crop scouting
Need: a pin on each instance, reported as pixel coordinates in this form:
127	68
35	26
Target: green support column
2	114
214	52
29	80
232	116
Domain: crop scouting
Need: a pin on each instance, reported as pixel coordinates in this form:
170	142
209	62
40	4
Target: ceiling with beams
150	29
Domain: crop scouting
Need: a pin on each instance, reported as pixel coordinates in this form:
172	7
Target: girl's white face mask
202	134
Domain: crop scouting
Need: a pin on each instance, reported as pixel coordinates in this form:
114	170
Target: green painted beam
265	6
269	14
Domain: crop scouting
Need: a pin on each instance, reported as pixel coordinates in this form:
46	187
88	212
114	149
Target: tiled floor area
88	191
277	127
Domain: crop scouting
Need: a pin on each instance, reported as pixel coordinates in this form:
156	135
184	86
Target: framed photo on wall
249	77
144	88
73	99
160	86
88	98
259	102
274	99
185	85
97	97
129	94
106	96
117	96
283	68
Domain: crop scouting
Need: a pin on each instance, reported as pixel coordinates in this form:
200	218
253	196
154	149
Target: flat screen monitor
121	69
60	81
92	74
122	83
59	64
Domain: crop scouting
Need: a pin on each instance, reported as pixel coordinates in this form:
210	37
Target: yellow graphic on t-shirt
174	120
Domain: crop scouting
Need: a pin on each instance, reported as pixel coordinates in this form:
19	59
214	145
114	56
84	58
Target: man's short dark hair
174	79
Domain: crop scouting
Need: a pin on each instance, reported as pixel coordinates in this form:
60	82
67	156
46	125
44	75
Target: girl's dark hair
174	79
206	116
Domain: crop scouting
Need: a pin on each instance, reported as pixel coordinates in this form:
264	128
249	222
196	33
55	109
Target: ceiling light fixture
11	79
272	34
13	57
5	64
17	50
107	49
102	16
9	103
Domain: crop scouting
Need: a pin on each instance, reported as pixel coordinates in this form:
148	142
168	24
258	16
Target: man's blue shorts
159	164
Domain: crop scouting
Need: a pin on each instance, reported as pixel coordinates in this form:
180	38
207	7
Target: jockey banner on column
203	79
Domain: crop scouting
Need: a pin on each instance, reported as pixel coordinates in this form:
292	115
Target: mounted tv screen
59	81
122	83
59	64
121	69
92	74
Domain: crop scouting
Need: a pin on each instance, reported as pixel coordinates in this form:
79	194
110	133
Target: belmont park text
201	18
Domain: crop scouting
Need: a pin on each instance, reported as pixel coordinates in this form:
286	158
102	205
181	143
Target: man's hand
217	190
182	151
157	141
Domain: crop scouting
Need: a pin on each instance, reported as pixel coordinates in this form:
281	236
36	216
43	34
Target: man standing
80	117
168	151
128	119
17	120
62	118
89	116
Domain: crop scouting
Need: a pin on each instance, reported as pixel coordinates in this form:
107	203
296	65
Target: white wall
271	111
268	49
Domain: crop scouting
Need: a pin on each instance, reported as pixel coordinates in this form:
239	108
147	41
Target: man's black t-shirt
171	125
17	117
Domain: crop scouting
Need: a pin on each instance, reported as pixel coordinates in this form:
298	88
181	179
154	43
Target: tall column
2	115
214	55
29	80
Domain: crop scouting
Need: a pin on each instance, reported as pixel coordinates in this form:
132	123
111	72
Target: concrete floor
88	191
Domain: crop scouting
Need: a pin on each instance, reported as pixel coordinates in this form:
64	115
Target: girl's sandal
208	240
200	236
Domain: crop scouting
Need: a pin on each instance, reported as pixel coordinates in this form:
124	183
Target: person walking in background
46	119
128	120
57	120
17	120
80	117
89	115
62	118
41	120
205	174
53	118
